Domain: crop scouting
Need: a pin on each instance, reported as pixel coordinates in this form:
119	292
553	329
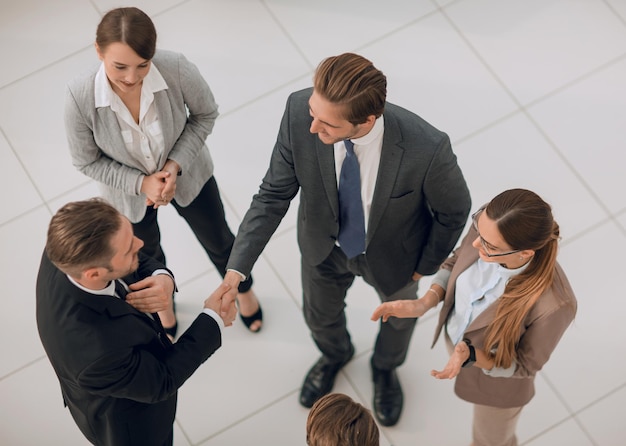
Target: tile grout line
524	110
573	414
245	418
286	33
23	367
573	169
26	172
399	28
614	11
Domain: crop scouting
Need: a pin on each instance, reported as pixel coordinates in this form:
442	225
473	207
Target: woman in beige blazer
506	304
137	124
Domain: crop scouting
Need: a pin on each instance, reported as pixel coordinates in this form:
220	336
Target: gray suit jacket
98	150
419	208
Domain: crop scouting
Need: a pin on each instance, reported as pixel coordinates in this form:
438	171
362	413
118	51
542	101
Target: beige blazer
542	329
187	112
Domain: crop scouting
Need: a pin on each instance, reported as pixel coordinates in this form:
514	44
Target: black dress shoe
320	380
388	397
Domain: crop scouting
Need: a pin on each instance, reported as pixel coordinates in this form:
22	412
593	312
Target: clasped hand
160	187
222	301
154	294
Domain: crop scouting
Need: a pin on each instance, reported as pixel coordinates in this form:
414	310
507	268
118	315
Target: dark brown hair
525	221
336	420
80	234
131	26
354	82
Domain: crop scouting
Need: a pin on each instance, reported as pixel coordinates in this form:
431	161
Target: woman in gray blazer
506	304
137	124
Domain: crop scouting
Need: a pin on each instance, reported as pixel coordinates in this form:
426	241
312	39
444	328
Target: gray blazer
541	331
419	208
98	150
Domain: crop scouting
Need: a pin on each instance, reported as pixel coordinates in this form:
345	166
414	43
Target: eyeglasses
482	241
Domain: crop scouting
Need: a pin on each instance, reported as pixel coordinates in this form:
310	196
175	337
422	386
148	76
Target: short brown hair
337	420
131	26
79	235
354	82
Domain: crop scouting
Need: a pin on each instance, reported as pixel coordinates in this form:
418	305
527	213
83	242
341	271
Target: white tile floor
532	94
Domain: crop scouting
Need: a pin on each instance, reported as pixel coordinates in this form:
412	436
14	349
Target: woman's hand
409	308
400	308
152	187
453	367
169	190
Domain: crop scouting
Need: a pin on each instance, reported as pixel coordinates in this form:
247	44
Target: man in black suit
118	370
414	204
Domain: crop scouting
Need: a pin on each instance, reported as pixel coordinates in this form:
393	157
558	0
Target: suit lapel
390	161
326	159
117	144
115	307
164	111
166	119
484	318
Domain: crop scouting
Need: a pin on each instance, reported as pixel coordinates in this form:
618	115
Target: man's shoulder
409	124
405	116
47	269
301	96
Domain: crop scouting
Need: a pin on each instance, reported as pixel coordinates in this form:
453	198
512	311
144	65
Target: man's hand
216	302
152	294
453	367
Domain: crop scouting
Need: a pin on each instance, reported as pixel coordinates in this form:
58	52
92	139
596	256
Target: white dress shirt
367	149
144	141
477	287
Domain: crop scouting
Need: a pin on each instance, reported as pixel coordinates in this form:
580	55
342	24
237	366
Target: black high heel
249	320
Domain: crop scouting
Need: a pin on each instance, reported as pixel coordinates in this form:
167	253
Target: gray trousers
324	290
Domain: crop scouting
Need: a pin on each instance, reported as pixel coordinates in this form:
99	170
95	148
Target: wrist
432	290
233	278
434	297
471	359
172	167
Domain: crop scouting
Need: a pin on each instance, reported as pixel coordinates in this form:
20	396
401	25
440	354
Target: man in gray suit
413	206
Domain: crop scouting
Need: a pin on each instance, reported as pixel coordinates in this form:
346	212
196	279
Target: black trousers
206	218
324	291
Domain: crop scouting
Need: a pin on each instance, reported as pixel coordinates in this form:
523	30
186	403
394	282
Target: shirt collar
507	273
152	83
109	290
370	137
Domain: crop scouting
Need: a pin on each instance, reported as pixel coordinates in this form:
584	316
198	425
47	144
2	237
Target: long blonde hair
525	221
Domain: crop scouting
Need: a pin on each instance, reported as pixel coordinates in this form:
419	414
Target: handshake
155	294
222	301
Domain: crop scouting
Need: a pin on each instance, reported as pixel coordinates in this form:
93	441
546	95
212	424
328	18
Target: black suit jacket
419	208
118	375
